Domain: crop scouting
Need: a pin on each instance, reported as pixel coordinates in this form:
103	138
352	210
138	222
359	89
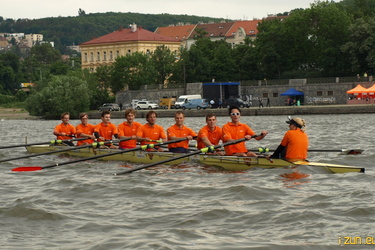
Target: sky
232	9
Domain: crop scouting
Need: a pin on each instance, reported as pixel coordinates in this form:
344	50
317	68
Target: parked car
236	102
196	104
109	107
146	105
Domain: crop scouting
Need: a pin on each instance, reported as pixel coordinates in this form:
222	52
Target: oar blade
27	169
352	152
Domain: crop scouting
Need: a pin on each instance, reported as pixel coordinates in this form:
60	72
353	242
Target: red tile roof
214	29
176	32
126	35
250	27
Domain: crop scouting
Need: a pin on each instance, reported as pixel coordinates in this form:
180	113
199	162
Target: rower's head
84	117
296	122
179	117
235	113
211	120
106	116
130	115
65	117
151	117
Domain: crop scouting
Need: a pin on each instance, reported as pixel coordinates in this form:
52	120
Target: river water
84	206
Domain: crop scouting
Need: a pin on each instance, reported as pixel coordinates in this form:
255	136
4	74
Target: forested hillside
84	27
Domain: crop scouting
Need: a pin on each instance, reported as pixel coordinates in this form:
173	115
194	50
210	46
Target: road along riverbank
255	111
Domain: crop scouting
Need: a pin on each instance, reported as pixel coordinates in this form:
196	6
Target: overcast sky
231	9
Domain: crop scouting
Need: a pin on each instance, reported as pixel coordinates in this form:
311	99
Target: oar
41	143
144	147
94	145
341	151
203	150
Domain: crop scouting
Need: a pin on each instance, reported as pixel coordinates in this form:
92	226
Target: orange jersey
213	136
65	128
296	143
155	132
234	132
124	129
106	130
176	131
87	129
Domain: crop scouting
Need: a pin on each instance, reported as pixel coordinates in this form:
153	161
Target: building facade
105	49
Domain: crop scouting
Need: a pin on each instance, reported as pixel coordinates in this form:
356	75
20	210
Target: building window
91	56
319	93
148	52
330	93
117	53
98	56
265	95
85	57
129	52
275	94
105	56
110	56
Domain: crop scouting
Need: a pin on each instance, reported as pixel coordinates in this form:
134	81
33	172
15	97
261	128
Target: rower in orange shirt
85	129
294	145
210	135
128	130
151	131
178	131
235	130
106	130
65	131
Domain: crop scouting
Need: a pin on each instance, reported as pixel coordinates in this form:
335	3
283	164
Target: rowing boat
231	163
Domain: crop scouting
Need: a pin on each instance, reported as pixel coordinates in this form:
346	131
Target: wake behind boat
230	163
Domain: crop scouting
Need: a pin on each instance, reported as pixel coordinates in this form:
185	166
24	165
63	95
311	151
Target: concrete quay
255	111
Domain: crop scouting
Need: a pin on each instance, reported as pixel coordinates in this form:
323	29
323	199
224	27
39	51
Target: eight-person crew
128	130
294	145
178	131
85	129
106	130
234	130
65	131
210	135
151	132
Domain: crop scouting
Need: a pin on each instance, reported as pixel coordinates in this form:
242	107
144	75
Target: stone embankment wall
314	94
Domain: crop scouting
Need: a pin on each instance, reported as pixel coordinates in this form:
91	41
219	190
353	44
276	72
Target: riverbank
16	114
255	111
21	114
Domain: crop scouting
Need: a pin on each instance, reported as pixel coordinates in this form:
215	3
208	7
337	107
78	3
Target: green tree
246	61
163	61
62	94
132	70
361	45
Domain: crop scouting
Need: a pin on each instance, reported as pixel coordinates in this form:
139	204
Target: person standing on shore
65	131
235	130
268	102
295	143
128	130
85	129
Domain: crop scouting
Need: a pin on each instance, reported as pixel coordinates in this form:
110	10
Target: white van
185	98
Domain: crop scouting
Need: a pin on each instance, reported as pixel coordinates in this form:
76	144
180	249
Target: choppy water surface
83	206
